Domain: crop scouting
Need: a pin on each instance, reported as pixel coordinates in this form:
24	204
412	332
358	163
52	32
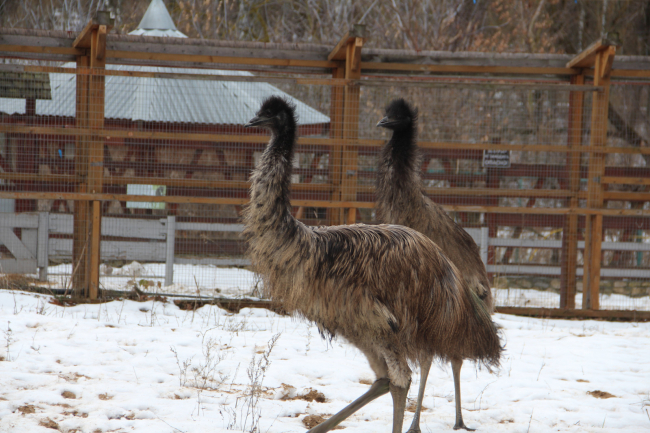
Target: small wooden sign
496	158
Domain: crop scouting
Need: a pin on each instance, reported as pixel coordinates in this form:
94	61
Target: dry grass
18	282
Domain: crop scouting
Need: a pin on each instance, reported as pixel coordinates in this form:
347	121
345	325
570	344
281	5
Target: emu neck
270	205
400	163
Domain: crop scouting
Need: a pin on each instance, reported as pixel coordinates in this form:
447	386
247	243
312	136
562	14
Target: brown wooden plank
314	203
114	56
595	197
308	141
607	62
368	82
558	193
84	37
339	51
81	223
336	152
630	73
40	50
587	58
625	181
186	76
464	69
561	313
570	232
350	155
622	195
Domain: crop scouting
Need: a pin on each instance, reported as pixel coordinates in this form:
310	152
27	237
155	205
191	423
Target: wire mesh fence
165	155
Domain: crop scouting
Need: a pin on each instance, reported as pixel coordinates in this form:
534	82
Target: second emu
386	289
401	200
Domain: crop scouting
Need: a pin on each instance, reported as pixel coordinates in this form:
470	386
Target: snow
149	367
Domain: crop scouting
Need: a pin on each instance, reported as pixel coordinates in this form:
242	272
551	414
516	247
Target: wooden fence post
600	55
89	154
346	156
572	170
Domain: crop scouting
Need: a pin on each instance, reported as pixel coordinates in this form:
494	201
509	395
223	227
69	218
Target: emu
386	289
401	200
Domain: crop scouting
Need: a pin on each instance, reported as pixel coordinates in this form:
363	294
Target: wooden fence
88	178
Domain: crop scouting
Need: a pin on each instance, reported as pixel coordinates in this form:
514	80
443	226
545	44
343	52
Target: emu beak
385	121
256	121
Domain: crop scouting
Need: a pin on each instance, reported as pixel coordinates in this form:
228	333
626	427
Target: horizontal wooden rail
466	69
626	180
319	187
558	313
313	203
306	141
41	50
622	195
482	85
112	55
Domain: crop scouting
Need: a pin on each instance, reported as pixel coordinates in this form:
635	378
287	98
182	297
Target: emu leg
379	388
399	405
425	366
456	364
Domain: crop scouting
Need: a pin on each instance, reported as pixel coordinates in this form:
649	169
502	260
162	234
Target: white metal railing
35	247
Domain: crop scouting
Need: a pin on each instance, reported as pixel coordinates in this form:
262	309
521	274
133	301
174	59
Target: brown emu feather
401	200
387	289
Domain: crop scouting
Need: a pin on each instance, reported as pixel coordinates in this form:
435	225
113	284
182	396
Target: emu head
399	115
276	113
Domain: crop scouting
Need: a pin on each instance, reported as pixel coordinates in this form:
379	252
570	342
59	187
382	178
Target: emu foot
414	430
461	425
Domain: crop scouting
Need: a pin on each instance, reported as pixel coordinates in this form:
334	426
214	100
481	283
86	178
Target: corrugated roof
166	100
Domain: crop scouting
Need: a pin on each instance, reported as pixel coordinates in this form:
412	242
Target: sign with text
496	158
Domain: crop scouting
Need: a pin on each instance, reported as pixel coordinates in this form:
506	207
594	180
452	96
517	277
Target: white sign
146	190
496	158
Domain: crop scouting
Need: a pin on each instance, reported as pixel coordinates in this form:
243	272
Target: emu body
401	200
386	289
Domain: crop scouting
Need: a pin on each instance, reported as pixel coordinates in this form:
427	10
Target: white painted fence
33	250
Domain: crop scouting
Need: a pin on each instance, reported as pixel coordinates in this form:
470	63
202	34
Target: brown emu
386	289
401	200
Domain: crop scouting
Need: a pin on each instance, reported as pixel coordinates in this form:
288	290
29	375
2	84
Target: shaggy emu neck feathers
399	167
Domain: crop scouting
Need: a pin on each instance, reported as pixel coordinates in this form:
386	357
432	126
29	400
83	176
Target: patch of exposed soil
310	395
68	394
600	394
28	408
49	423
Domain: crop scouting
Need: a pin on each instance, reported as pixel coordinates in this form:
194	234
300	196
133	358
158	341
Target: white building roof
165	99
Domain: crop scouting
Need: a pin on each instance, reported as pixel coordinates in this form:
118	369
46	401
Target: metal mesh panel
175	139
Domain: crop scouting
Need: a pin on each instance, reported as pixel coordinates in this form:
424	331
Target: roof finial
157	22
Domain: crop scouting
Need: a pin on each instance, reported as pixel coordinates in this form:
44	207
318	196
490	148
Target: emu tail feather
485	335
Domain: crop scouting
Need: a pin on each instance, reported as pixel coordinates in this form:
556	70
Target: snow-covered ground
126	366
